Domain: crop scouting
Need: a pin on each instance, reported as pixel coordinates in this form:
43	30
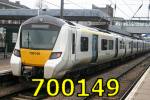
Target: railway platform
141	91
4	62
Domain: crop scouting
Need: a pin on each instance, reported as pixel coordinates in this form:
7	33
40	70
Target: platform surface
4	64
142	89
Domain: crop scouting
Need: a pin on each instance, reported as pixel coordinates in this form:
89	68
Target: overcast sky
124	8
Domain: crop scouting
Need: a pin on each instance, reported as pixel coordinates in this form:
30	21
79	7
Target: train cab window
84	43
111	44
104	44
39	36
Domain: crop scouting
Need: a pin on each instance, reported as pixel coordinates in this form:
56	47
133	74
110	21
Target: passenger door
94	48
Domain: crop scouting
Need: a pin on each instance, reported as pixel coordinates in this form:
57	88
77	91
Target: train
50	47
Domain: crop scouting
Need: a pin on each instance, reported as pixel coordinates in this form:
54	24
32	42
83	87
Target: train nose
52	68
35	57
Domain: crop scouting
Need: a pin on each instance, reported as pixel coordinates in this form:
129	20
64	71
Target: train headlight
55	55
17	53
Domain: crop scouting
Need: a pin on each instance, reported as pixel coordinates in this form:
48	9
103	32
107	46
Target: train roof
45	19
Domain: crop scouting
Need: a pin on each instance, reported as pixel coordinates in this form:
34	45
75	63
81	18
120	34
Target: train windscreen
42	37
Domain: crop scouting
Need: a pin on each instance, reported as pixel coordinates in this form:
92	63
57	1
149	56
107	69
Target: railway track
134	68
6	77
127	91
127	80
9	84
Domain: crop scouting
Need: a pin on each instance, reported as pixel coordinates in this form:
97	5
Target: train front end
34	54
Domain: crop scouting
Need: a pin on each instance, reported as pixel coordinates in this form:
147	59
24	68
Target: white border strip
132	93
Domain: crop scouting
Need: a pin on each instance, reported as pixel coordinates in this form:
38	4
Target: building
6	4
107	10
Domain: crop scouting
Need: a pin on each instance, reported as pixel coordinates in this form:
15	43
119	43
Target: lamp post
62	9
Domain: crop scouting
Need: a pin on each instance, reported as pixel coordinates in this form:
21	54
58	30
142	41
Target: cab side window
84	43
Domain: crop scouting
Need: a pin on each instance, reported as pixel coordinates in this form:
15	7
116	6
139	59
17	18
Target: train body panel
83	47
106	48
56	47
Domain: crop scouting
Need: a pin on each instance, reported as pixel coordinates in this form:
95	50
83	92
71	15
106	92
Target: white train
50	47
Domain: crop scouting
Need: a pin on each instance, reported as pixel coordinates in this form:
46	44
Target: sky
124	8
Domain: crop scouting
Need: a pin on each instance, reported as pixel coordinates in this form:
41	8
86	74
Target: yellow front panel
34	57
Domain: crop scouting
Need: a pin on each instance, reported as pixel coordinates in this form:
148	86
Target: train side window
111	44
84	43
73	43
104	44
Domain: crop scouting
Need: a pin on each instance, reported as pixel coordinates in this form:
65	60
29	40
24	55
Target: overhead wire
119	9
75	4
51	3
128	6
137	10
109	1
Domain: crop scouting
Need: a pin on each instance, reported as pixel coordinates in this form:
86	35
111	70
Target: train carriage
51	47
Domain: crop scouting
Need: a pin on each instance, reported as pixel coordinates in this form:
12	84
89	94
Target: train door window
129	45
73	43
111	44
121	46
84	43
104	44
124	45
135	45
